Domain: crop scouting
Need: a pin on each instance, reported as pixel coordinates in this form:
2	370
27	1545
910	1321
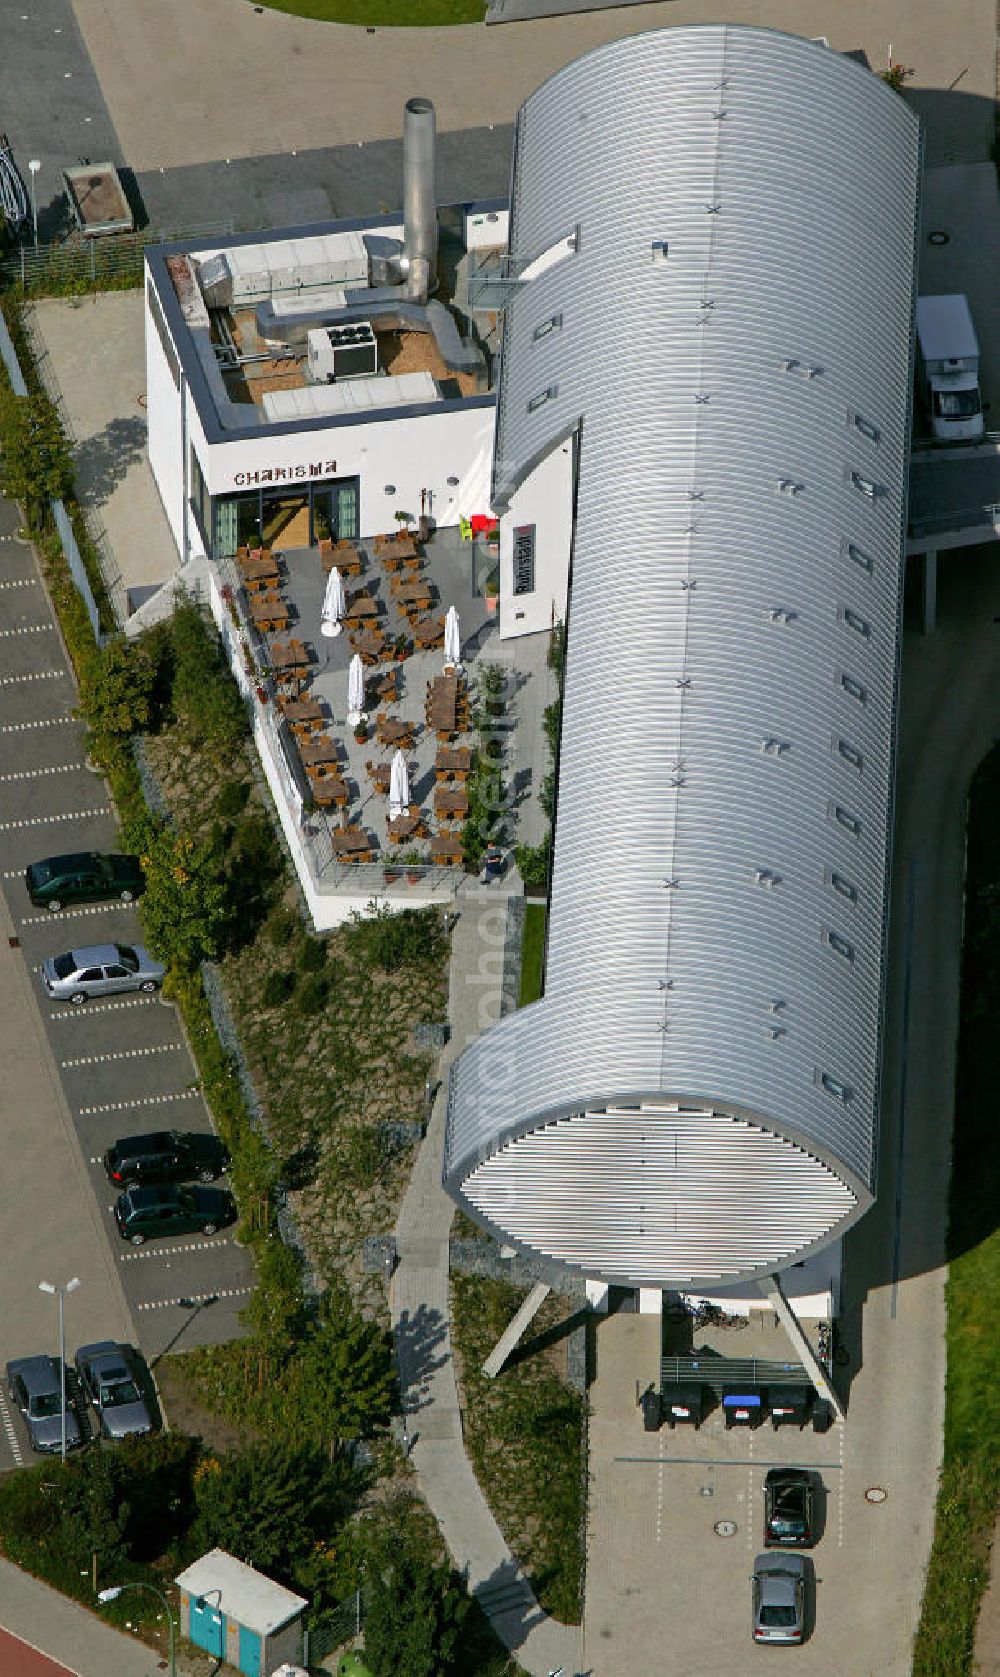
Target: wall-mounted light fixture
390	489
453	483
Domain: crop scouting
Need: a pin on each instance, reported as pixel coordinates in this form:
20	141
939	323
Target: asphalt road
122	1063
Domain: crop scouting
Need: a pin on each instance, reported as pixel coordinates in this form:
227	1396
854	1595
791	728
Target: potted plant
391	869
413	861
401	648
491	592
361	729
403	519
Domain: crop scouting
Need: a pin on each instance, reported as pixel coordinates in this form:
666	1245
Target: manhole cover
876	1493
706	1490
725	1528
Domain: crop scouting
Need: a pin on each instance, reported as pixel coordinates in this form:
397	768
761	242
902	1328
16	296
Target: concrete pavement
421	1306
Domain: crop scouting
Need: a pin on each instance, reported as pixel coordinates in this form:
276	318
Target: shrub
282	925
116	689
313	992
390	941
184	909
313	955
231	800
277	988
533	861
205	697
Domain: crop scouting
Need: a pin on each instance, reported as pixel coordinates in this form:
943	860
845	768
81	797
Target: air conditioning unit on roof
346	351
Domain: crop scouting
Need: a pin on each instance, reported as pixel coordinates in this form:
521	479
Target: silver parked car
108	1383
100	969
779	1598
34	1387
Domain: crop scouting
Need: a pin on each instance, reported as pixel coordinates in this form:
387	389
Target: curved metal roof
729	341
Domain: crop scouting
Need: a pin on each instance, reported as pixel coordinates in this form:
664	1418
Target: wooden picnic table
398	547
352	845
268	611
318	750
442	704
348	560
257	573
361	611
451	802
407	592
428	631
383	687
388	731
378	774
369	644
453	762
289	659
301	712
328	788
408	826
446	849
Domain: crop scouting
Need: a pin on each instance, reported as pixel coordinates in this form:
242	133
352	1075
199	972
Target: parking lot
119	1065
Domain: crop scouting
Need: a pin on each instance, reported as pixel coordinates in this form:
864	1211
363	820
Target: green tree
117	689
416	1613
34	465
204	695
269	1505
344	1383
185	905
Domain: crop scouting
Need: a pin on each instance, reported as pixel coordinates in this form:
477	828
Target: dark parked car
144	1213
100	969
788	1508
778	1598
85	878
108	1383
34	1387
166	1156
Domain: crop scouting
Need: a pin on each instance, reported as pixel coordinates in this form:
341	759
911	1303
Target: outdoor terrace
336	784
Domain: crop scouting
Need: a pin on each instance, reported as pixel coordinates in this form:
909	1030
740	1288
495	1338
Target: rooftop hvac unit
337	352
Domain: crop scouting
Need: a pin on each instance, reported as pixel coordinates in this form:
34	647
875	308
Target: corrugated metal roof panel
735	355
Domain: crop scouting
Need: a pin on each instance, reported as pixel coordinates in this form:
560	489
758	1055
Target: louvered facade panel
734	361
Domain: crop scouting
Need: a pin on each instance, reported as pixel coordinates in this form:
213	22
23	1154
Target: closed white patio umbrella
355	691
399	787
452	639
333	605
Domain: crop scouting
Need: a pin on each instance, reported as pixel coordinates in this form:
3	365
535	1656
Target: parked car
34	1386
166	1156
778	1598
108	1383
85	878
143	1213
788	1508
100	969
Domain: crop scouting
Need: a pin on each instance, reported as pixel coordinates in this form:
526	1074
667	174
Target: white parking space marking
144	1100
40	722
37	774
840	1488
28	629
33	675
195	1298
70	913
172	1251
44	820
20	582
659	1495
8	1427
124	1054
92	1009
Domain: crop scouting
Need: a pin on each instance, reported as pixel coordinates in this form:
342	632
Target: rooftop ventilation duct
420	229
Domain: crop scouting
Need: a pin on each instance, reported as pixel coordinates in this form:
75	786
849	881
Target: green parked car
85	878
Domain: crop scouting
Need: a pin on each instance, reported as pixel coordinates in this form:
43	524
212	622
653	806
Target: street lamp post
34	164
60	1292
115	1590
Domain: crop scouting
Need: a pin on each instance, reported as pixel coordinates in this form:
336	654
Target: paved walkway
420	1310
78	1640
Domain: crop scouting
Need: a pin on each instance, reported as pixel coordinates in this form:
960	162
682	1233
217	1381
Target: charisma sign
284	474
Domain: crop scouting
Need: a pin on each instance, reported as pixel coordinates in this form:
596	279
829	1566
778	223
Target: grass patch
969	1490
532	951
384	14
524	1437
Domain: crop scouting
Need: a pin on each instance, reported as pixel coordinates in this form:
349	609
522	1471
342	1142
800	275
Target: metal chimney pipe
420	227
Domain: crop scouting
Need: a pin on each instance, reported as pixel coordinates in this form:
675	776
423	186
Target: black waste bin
742	1409
789	1405
822	1415
683	1404
651	1410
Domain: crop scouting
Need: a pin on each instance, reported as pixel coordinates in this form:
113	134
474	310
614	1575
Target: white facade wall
411	452
164	427
545	499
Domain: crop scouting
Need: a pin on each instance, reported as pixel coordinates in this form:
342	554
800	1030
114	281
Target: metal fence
332	1629
77	265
